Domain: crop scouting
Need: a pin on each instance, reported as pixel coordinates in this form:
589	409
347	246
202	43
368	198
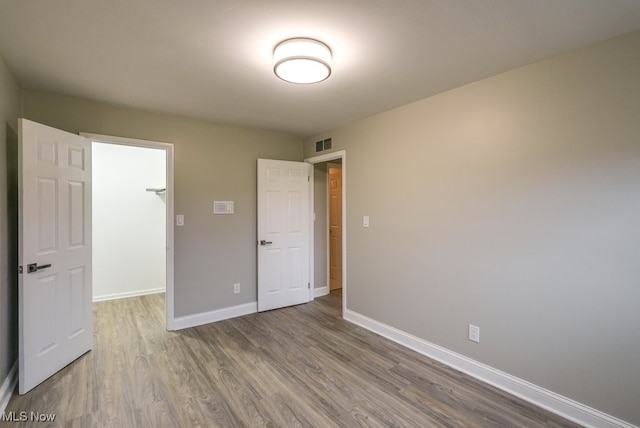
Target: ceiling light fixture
302	60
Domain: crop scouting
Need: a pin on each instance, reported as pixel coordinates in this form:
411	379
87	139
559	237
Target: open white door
55	318
283	234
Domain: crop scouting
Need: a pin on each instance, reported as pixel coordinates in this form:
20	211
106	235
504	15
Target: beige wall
212	162
9	107
512	203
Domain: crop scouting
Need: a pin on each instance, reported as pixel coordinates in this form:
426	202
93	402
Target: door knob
263	242
33	267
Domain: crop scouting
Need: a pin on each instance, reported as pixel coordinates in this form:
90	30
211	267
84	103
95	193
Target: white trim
312	226
327	235
127	294
341	154
8	386
534	394
321	291
168	147
214	316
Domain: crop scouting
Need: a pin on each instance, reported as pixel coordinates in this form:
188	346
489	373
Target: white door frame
341	154
168	148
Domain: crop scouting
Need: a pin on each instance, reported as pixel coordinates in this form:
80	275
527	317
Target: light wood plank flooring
298	366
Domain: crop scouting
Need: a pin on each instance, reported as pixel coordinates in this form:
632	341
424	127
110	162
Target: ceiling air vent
323	145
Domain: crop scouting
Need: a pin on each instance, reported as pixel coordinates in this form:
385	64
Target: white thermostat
223	207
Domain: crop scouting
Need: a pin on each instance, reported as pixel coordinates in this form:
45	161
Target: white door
283	234
335	228
55	319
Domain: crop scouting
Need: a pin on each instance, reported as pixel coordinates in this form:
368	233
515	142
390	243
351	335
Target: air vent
323	144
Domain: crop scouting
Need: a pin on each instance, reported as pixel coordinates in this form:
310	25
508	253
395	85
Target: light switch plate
365	221
180	220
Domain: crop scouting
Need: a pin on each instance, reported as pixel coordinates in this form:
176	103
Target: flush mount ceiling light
302	60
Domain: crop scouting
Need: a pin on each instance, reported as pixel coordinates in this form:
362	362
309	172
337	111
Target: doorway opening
132	219
328	244
128	244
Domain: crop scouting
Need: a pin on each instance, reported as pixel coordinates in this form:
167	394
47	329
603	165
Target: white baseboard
8	386
534	394
212	316
126	294
321	291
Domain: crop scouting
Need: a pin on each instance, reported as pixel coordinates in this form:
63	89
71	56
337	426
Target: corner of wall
9	112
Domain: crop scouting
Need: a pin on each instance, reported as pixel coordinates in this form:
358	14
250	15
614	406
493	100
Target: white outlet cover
474	333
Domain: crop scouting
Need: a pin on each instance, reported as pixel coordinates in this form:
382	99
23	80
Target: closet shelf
156	190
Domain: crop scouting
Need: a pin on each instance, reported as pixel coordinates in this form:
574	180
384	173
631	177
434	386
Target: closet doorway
132	208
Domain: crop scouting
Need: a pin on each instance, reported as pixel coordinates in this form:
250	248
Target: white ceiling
211	59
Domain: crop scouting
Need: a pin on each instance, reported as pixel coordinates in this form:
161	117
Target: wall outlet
236	288
474	333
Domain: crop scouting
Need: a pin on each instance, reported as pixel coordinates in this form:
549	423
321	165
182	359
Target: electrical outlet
236	288
474	333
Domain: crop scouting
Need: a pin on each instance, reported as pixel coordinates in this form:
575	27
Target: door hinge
19	269
309	285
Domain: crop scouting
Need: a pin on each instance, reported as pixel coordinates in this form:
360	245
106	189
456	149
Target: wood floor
298	366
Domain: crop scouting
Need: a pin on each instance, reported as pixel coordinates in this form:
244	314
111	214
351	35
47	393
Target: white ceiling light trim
302	60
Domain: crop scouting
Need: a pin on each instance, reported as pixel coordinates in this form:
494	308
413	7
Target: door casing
168	148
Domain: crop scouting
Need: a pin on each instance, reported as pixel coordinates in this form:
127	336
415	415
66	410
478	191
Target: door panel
77	226
335	228
55	319
283	225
